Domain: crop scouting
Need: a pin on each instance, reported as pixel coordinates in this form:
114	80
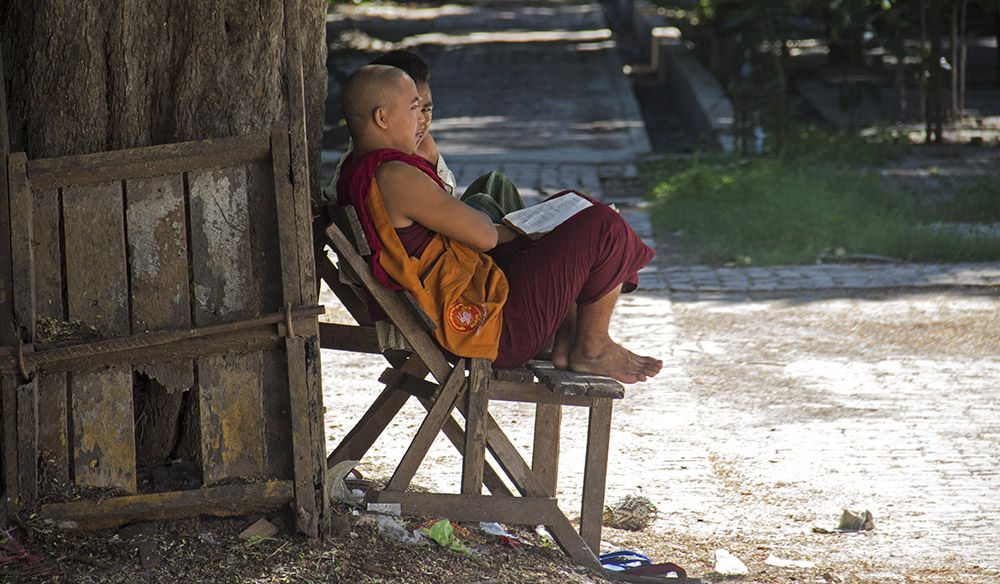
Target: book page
544	217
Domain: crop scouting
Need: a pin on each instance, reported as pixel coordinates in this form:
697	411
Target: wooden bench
467	385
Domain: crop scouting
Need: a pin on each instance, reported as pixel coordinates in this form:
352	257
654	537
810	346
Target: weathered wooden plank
285	215
103	435
22	253
8	384
477	406
429	429
595	472
165	159
222	501
307	518
96	276
535	393
464	507
97	294
220	243
572	383
156	228
229	386
53	425
266	260
27	442
144	346
314	390
545	446
158	253
229	389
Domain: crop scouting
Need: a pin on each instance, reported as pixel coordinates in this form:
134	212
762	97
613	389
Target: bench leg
595	473
429	429
477	406
545	452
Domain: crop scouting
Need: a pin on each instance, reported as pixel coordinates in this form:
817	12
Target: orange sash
460	289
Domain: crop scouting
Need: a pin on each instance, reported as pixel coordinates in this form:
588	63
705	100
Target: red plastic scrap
13	551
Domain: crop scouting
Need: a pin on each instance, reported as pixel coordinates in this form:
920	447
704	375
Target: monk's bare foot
562	345
615	361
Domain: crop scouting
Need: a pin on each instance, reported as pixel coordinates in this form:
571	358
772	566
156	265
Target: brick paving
789	392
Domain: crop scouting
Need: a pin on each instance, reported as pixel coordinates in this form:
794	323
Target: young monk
493	294
492	193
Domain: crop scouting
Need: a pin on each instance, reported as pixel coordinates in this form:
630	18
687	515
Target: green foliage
824	197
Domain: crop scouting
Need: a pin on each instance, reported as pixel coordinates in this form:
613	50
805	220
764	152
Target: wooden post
477	407
545	448
23	264
595	473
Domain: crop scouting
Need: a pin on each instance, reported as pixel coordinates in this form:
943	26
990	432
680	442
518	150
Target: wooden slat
166	159
27	442
230	414
545	446
103	437
299	154
156	233
429	429
535	393
222	501
268	297
414	334
97	295
22	252
344	337
53	425
237	341
476	407
513	510
229	386
595	473
308	519
8	401
572	383
317	428
147	346
285	214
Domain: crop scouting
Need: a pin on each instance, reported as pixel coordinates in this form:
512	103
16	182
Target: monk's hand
427	149
505	234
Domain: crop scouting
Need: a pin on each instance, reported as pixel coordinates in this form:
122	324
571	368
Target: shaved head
368	89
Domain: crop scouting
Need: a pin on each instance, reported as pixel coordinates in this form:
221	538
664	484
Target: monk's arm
410	197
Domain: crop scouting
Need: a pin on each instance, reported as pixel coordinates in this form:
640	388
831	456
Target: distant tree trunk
953	112
933	113
106	75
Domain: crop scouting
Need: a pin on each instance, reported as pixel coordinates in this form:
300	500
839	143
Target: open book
537	220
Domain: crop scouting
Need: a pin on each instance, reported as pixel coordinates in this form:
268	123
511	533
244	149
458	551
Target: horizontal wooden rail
160	160
225	501
47	357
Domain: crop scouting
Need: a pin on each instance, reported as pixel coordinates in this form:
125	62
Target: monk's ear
380	118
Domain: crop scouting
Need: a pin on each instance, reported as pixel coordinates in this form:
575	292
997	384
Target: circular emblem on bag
464	317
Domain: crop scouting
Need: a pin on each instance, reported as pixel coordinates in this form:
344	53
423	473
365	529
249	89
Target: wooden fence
159	286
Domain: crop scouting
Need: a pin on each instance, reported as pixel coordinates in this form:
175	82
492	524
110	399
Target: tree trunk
103	75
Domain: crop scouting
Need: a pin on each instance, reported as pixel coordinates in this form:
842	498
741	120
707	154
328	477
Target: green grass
825	195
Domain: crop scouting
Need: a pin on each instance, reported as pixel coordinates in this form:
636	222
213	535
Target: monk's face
405	122
426	109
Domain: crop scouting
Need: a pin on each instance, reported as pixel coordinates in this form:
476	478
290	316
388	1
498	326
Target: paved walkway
777	408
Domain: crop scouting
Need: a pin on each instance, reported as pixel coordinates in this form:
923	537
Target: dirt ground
773	414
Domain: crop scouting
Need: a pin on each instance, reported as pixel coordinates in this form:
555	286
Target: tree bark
107	75
102	75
